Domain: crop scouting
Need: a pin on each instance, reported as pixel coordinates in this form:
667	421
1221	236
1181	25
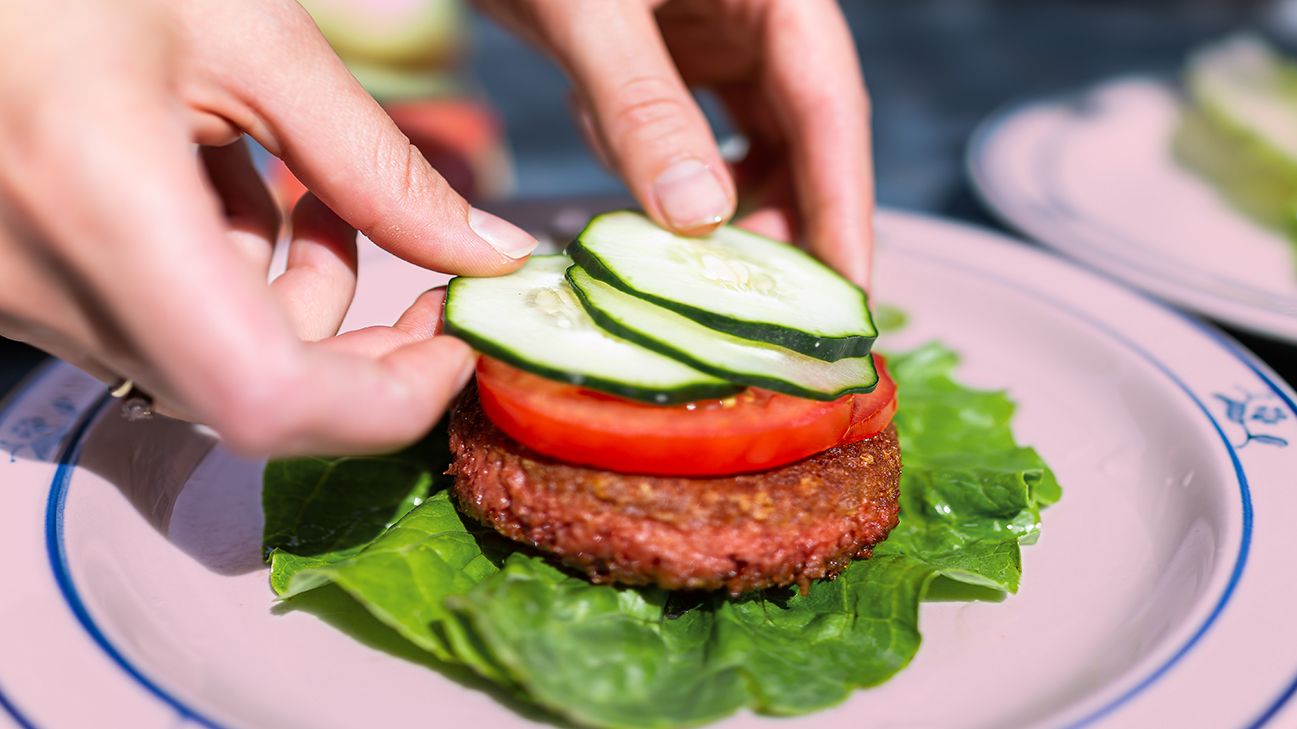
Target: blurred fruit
408	33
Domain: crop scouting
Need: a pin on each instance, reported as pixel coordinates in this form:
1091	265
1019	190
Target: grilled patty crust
792	524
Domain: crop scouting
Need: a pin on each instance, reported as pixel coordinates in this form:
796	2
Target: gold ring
136	404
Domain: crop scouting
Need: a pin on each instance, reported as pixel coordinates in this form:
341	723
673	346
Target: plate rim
74	439
1017	212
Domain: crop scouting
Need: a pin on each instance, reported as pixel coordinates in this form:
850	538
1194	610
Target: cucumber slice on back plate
1240	131
532	320
724	355
733	281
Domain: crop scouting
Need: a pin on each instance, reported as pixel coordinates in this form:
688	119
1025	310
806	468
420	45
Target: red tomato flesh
752	431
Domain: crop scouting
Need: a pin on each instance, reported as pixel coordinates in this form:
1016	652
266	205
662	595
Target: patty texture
789	525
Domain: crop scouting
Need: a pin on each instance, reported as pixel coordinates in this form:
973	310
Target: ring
136	404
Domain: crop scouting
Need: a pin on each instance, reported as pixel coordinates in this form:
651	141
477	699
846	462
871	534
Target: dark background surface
935	68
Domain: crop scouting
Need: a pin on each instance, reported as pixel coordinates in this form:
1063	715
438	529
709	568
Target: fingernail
507	238
690	195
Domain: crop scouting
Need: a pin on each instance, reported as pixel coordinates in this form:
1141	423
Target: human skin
128	253
785	70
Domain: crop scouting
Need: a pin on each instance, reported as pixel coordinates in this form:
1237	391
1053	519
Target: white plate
132	593
1092	174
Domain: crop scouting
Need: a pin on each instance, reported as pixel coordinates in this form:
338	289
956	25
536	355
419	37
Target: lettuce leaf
644	658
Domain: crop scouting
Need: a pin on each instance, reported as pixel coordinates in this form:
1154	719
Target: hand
127	253
785	69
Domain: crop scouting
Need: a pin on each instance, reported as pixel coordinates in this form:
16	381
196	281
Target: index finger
335	137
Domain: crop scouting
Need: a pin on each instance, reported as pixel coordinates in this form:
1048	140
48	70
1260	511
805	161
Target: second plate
1092	174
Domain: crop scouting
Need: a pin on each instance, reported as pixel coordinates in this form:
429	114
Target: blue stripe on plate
1248	358
14	713
1240	561
1272	710
63	576
6	404
975	161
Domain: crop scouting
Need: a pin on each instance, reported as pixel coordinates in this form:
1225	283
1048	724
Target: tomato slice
752	431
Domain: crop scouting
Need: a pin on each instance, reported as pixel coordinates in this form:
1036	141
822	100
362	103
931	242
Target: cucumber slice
532	320
1240	132
734	281
724	355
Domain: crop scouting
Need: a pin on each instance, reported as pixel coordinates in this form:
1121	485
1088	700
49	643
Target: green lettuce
386	531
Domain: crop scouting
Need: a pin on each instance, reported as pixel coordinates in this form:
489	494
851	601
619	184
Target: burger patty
792	524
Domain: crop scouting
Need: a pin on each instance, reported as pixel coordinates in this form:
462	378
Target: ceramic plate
133	591
1092	174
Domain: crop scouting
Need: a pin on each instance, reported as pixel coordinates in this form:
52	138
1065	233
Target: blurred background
935	69
491	113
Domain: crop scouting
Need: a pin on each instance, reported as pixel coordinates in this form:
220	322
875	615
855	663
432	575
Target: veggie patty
792	524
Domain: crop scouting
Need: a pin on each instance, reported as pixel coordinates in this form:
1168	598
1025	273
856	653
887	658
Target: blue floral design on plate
1255	414
40	435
